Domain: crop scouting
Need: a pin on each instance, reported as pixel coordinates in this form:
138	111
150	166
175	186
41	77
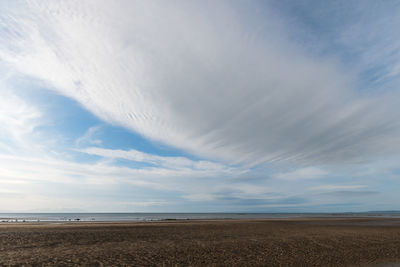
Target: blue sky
199	106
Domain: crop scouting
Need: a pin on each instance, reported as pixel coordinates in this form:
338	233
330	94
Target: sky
199	106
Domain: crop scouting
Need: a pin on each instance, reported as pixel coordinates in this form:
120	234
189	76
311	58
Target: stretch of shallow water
120	217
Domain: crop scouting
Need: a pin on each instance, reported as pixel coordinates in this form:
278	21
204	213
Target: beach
268	242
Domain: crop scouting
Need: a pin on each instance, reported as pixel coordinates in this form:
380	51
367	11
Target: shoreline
10	221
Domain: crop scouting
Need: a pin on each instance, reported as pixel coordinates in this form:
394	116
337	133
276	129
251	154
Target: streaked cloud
18	119
201	77
337	187
302	173
350	193
88	137
161	161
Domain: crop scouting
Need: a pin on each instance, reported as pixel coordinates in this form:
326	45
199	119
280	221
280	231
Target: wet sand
291	242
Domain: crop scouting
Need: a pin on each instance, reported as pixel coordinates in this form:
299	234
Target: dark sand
294	242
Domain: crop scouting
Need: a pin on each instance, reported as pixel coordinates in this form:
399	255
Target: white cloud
200	77
89	137
18	120
38	179
303	173
169	162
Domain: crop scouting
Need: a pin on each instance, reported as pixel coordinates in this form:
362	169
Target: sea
143	217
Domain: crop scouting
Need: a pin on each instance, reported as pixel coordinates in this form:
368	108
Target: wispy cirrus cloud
302	173
178	73
18	120
167	162
88	137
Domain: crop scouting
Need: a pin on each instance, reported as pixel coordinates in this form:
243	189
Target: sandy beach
290	242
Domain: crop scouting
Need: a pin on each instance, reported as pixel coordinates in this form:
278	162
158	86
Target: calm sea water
120	217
